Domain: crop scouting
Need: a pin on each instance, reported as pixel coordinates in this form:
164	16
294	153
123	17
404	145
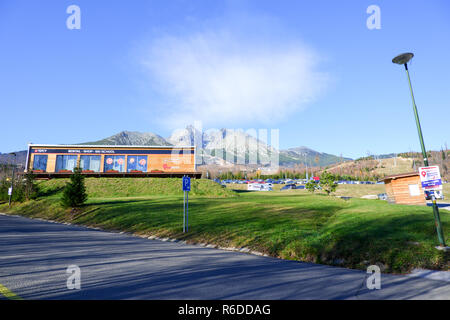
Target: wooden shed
405	188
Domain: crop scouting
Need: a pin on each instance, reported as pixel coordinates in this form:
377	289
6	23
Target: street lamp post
404	59
306	167
12	178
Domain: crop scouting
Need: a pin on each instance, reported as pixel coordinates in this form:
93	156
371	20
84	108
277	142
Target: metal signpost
186	189
10	189
403	59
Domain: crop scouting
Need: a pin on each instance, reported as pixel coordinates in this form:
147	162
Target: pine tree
74	194
31	188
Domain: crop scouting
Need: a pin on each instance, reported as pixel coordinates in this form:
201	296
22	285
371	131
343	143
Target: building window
115	163
40	162
414	190
137	163
66	162
90	163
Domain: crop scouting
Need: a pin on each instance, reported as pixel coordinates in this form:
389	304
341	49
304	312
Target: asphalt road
34	256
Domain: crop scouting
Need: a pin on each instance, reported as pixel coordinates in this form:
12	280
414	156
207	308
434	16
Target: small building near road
405	188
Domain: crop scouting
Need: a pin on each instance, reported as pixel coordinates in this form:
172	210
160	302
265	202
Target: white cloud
226	81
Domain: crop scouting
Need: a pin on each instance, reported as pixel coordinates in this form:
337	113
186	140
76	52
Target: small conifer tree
74	194
31	188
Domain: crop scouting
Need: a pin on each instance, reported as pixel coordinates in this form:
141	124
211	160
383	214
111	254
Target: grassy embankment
290	224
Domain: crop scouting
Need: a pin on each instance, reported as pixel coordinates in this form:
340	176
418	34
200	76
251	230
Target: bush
18	194
311	186
74	194
327	182
4	185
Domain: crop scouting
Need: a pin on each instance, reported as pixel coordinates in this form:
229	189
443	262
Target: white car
259	187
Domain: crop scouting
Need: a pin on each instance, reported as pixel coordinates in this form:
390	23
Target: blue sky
309	68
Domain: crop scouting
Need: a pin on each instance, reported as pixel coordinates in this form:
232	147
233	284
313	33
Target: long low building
104	160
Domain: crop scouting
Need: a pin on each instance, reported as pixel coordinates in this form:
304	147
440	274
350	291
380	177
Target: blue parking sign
186	184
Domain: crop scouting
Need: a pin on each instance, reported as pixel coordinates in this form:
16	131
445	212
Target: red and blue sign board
430	178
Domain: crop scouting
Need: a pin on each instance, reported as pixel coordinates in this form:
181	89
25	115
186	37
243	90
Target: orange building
405	188
103	160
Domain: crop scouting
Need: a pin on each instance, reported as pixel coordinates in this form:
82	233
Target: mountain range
130	138
218	147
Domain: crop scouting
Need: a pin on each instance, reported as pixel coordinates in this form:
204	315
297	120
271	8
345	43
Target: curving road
35	254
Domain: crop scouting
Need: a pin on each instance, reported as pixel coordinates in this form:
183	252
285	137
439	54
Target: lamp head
403	58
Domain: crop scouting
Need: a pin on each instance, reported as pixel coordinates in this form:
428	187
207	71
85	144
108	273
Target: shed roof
401	175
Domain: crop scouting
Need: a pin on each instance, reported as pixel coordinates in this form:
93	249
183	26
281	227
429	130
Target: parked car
289	187
382	196
436	193
259	187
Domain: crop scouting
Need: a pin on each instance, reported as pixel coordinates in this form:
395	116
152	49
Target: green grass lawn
350	190
291	225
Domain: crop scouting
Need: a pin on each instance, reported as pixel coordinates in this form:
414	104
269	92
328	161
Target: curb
204	245
430	274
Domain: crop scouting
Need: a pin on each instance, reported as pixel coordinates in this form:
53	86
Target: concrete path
34	256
